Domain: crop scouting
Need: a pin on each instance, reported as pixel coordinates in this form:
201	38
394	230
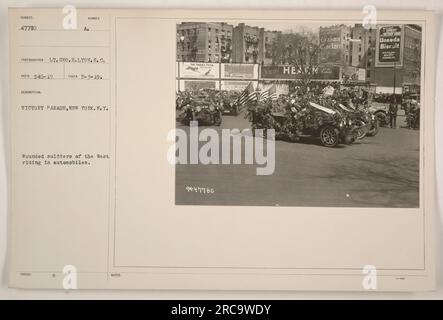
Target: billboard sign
389	47
328	72
330	45
239	71
289	72
194	85
236	85
361	74
199	70
350	73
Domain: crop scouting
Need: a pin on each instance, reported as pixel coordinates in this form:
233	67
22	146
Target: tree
300	51
282	49
306	60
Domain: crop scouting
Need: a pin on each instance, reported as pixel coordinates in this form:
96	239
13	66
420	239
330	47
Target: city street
380	171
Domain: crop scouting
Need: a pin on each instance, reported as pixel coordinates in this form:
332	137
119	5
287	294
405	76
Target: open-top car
204	112
329	125
230	105
300	121
381	113
230	108
366	122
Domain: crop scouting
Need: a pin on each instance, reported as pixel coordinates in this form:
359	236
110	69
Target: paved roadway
380	171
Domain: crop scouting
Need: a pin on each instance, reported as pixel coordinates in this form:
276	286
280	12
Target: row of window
348	59
412	43
187	32
195	31
185	57
223	31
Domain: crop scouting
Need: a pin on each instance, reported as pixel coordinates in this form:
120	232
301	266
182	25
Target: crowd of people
412	111
210	96
328	95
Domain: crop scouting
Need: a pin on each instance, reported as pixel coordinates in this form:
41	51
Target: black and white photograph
299	114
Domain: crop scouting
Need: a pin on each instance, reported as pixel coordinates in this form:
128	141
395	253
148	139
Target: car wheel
374	130
361	130
349	139
329	136
381	118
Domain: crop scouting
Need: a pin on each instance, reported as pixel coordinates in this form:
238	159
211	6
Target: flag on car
270	93
247	95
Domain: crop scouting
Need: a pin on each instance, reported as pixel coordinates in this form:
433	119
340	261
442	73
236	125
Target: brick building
335	47
362	54
248	45
204	42
385	57
397	58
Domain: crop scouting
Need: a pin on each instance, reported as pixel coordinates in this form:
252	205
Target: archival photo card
221	149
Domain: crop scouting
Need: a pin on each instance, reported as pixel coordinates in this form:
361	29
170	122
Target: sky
288	27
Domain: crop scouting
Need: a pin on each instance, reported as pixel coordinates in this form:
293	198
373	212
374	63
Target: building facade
412	58
204	42
335	45
398	58
248	44
362	50
384	57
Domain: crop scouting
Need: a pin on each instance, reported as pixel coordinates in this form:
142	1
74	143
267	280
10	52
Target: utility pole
395	80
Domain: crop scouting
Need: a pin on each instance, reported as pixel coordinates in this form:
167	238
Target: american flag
270	93
247	95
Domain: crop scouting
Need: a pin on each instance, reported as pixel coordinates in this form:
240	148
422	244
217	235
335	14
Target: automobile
302	121
365	121
230	108
230	104
415	97
380	112
204	112
329	125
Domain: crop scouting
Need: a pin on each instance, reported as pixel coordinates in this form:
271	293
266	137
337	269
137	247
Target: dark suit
393	109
